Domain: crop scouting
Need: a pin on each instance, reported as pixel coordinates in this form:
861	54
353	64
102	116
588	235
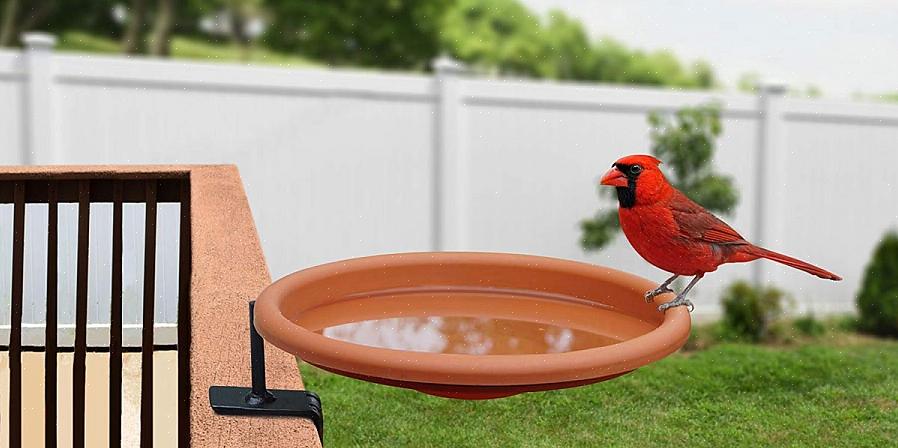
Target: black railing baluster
149	297
50	328
79	364
184	276
15	318
115	322
83	190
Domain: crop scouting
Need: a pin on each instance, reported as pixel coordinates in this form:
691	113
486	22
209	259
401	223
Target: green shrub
703	336
848	323
809	326
878	298
749	312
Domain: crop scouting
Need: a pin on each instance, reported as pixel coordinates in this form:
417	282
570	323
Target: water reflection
466	335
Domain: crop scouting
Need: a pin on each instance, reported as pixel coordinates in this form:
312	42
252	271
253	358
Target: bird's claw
679	301
650	295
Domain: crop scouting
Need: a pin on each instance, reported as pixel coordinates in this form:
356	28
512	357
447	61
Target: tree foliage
388	34
748	82
20	16
505	37
571	54
499	36
161	17
685	143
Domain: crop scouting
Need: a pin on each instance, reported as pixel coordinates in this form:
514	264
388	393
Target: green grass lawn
832	392
184	48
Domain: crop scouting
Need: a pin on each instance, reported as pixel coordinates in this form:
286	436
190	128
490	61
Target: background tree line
498	36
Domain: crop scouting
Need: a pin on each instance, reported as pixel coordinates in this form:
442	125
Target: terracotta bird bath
469	325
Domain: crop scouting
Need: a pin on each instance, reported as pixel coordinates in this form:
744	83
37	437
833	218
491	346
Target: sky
842	47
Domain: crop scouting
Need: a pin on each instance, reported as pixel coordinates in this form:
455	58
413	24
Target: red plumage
674	233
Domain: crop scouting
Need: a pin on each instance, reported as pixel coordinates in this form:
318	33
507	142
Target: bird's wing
699	224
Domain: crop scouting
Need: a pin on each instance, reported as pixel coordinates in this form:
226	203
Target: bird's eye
635	169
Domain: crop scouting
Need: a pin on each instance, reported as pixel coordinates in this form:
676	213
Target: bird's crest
644	160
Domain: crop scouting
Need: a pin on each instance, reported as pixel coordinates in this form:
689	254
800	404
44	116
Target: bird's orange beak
615	178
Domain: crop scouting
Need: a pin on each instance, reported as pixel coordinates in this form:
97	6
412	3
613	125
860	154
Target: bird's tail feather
793	262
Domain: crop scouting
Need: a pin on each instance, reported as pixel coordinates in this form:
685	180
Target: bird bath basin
469	325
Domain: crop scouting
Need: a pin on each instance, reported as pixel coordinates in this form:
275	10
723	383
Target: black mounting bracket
258	400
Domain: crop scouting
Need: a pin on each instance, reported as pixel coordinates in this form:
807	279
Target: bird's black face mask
626	196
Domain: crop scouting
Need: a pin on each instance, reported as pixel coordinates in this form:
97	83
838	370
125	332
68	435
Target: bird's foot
650	295
681	300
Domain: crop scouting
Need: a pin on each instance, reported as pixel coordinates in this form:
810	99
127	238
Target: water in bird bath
472	321
467	335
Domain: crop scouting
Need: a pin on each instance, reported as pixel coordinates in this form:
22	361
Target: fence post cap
38	41
446	64
773	88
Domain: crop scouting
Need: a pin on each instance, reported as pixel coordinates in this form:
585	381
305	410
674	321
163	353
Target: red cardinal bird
678	235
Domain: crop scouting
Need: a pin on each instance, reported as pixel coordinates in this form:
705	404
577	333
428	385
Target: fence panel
11	100
837	194
346	163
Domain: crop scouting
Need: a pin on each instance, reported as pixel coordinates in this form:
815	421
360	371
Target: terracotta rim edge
470	370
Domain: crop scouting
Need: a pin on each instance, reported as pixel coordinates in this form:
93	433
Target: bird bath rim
313	287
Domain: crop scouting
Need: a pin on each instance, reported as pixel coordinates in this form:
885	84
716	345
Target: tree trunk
238	30
132	41
165	19
8	27
16	21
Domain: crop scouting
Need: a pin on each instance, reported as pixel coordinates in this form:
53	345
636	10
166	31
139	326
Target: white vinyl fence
342	163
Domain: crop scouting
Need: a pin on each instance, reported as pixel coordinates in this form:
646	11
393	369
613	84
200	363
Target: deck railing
119	188
221	267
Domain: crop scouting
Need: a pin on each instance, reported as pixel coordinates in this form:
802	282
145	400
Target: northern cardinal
677	235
